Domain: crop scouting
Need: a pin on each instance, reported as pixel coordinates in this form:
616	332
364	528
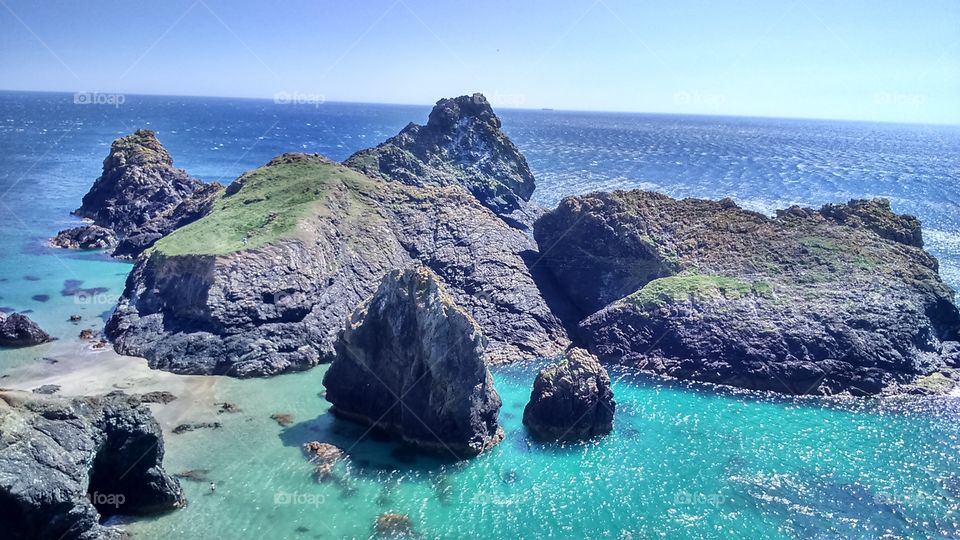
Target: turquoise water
679	464
683	461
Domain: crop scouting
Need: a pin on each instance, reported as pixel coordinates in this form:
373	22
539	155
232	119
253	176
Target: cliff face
410	362
264	282
139	182
67	463
840	299
461	145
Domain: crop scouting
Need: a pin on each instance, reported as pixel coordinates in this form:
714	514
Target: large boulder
138	183
262	284
837	300
85	237
571	400
461	145
410	362
18	330
66	464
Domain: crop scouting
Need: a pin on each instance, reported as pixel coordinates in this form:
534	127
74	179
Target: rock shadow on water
370	452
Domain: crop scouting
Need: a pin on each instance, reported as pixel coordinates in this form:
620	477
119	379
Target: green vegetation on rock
697	287
273	199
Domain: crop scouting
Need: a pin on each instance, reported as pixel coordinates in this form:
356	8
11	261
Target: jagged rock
410	362
85	237
193	426
461	145
193	207
18	330
67	463
47	389
160	396
263	283
324	456
808	302
571	400
139	182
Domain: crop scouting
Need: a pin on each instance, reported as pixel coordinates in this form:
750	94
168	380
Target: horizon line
505	107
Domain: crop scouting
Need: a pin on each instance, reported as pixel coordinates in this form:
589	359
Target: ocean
684	460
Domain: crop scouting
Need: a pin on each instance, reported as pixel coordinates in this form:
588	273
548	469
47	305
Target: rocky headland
263	282
410	363
571	400
65	464
841	299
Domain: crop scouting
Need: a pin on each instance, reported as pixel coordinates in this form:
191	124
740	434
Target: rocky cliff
263	283
410	362
85	237
840	299
67	463
461	145
571	400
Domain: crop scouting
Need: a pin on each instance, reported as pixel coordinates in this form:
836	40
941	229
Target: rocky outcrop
85	237
194	206
264	282
821	302
18	330
410	362
571	400
65	464
461	145
138	183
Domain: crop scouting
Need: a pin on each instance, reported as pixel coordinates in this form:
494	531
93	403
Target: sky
877	60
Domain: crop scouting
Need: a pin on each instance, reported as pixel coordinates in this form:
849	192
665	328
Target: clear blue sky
876	60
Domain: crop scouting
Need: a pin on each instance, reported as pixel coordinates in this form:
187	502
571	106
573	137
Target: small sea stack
571	400
85	237
410	362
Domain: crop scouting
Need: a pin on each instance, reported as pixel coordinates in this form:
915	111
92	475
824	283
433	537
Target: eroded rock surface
18	330
461	145
571	400
410	362
67	463
85	237
836	300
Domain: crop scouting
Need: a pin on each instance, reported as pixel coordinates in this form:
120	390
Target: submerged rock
65	464
263	283
18	330
571	400
811	302
461	145
410	362
85	237
138	183
324	456
393	525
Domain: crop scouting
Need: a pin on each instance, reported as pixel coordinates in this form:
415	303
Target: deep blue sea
683	462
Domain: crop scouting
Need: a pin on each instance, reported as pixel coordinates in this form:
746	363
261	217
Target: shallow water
688	462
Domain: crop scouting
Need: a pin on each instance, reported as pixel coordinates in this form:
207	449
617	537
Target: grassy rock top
264	205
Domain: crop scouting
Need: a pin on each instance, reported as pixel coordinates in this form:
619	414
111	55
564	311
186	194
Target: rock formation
410	362
139	182
191	208
571	400
461	145
85	237
67	463
263	283
18	330
837	300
